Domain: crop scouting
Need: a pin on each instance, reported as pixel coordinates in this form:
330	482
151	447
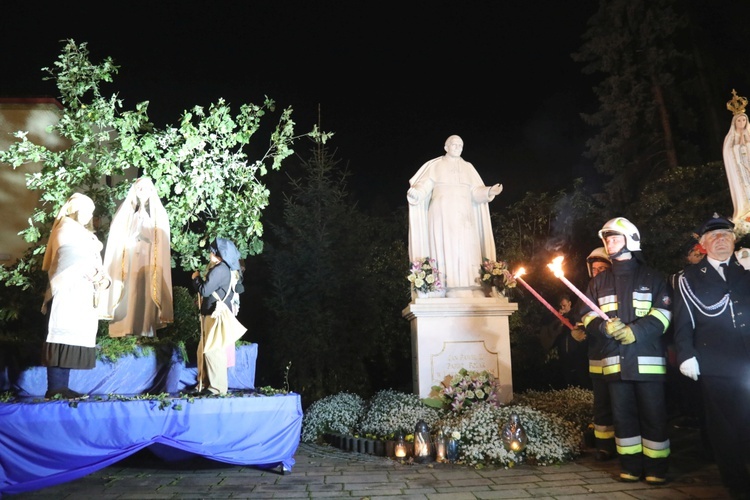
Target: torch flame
521	271
556	266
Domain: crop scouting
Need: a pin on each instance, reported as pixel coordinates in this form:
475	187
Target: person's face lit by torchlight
597	267
614	242
565	306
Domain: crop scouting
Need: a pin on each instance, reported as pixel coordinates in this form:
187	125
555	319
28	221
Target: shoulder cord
687	293
232	285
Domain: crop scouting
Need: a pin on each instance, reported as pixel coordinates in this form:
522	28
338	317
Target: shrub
573	404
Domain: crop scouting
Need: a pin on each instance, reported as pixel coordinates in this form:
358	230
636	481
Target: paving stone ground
324	472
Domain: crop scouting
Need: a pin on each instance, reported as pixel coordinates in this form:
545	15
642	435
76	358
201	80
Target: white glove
690	368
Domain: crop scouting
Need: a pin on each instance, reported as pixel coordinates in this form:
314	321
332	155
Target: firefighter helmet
621	225
597	254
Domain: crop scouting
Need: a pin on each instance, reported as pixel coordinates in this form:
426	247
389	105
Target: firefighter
604	427
630	353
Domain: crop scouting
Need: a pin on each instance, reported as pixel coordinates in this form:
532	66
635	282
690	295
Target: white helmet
621	225
597	254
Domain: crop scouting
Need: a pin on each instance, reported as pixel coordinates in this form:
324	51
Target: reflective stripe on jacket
638	295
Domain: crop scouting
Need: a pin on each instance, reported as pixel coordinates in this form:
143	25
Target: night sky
392	79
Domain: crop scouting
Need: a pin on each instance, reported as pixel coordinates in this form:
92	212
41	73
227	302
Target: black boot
58	379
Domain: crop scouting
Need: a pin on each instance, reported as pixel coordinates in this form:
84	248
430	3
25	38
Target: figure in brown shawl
138	258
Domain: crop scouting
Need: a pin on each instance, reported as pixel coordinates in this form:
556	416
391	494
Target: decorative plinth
453	333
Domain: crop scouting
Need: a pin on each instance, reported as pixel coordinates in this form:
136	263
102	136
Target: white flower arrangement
465	388
553	438
337	413
391	411
424	275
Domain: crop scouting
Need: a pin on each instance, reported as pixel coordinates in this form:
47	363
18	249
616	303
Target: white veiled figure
736	153
74	265
138	258
449	219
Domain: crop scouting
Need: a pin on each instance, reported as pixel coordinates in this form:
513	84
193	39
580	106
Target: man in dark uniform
712	336
630	352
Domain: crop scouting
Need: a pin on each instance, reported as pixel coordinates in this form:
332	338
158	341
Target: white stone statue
449	219
736	152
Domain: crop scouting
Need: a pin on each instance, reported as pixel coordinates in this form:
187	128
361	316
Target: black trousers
726	402
641	431
604	429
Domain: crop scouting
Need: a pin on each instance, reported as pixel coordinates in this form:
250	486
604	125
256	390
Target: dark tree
635	45
337	286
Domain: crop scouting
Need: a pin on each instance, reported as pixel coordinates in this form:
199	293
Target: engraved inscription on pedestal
472	355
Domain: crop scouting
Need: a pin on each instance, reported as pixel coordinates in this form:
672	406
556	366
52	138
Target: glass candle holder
399	448
451	449
422	443
439	446
514	436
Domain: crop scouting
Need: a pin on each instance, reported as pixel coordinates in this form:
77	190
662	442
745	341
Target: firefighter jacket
712	319
638	295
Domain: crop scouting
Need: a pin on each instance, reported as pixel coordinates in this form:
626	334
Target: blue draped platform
133	374
47	443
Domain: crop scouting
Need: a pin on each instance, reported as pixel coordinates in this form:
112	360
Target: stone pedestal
448	334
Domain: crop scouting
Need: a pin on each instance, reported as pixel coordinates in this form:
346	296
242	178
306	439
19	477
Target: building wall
17	203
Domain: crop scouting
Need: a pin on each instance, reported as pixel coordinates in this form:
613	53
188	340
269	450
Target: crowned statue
737	162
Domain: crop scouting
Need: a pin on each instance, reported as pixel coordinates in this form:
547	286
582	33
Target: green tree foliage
643	111
674	206
199	167
201	171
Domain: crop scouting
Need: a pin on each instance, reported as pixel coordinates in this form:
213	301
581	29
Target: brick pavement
324	472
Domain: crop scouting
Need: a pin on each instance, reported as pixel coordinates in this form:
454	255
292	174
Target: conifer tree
634	45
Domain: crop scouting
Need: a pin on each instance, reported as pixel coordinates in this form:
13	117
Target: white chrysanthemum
337	413
391	411
551	439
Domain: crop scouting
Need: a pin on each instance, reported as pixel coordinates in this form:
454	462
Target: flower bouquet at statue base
425	279
495	278
458	392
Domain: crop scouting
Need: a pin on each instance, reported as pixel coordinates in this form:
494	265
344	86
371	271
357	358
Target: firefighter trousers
641	430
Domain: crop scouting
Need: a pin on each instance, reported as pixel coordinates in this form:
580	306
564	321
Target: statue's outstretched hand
496	189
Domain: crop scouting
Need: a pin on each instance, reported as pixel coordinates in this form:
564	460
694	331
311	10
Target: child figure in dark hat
220	284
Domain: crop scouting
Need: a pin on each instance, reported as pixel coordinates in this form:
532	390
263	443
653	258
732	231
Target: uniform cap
714	223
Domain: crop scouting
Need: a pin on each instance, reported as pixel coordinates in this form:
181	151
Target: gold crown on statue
737	104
